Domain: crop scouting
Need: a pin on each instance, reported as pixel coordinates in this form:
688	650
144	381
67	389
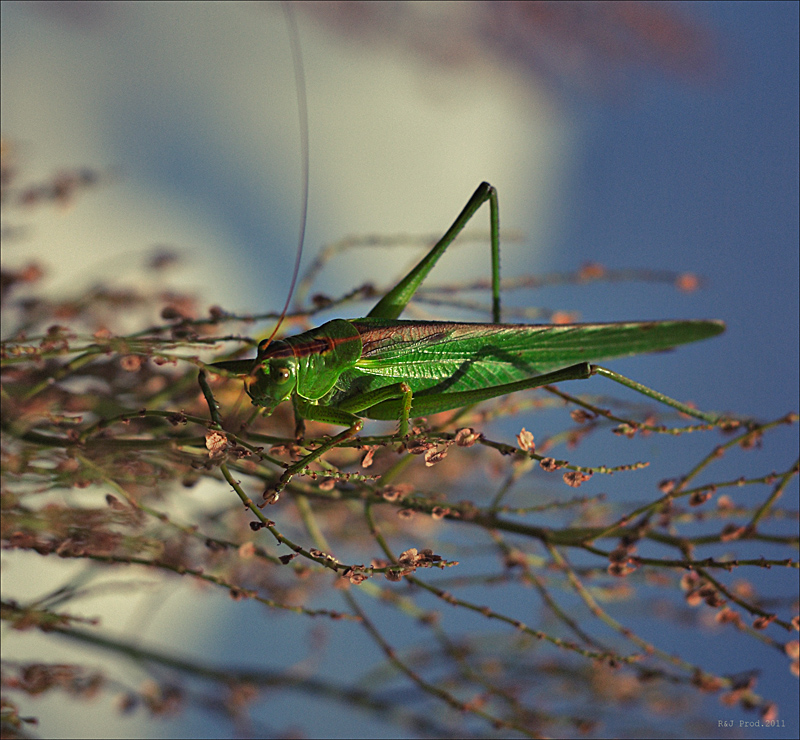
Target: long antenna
302	112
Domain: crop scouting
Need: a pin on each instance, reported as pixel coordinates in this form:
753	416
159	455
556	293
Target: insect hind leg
395	301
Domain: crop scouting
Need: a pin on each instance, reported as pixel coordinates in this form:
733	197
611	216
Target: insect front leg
299	423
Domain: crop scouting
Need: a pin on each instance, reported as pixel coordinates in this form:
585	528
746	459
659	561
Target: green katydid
380	367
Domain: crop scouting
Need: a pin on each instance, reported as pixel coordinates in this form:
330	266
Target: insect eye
281	374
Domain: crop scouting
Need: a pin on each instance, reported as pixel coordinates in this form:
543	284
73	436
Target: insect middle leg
344	415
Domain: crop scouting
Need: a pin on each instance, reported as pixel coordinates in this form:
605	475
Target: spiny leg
656	395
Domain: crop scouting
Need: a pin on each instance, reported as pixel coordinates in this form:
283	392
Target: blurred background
626	134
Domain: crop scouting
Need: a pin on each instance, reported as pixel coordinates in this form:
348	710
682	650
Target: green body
446	365
382	368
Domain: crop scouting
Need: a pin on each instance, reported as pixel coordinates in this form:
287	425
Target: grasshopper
380	367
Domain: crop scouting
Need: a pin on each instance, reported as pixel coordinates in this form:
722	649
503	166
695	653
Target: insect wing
444	356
